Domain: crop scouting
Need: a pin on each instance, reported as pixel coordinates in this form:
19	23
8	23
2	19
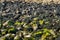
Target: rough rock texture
31	21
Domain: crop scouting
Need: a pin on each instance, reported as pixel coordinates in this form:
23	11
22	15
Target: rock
57	38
